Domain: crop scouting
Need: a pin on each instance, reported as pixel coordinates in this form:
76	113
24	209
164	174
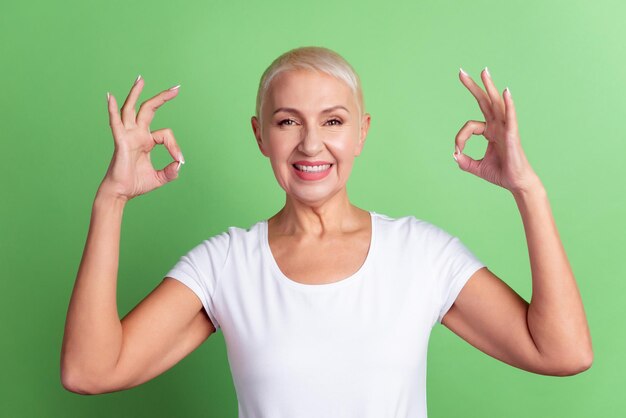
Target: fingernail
487	71
108	97
454	156
463	72
182	159
178	166
175	87
138	78
508	90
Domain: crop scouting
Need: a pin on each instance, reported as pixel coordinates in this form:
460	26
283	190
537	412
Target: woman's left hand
504	162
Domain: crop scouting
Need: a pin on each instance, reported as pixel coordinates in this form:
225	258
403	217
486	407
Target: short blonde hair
312	58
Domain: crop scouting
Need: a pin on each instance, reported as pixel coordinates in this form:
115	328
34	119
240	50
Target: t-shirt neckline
282	278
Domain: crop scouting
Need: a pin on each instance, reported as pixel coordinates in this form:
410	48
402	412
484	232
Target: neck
335	215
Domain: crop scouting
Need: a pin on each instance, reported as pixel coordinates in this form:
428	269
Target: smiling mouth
312	168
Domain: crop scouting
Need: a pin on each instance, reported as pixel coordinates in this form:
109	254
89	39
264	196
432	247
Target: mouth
312	168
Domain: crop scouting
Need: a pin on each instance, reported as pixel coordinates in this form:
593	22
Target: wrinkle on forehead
309	92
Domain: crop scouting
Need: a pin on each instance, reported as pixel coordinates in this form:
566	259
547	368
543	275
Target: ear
256	128
365	126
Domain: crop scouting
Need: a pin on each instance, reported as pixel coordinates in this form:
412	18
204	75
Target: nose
311	142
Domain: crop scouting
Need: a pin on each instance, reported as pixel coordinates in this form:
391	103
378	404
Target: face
311	132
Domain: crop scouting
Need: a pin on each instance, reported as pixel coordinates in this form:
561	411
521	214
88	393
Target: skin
318	221
550	335
101	353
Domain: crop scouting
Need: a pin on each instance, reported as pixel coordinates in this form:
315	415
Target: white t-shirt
355	348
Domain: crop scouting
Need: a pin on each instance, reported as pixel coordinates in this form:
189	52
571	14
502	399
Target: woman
326	308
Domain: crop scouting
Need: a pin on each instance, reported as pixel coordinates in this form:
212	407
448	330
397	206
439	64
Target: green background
563	61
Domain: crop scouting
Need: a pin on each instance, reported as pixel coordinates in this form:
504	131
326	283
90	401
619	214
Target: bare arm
556	317
550	335
101	353
93	331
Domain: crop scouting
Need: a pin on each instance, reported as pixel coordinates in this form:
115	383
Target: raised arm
550	335
100	353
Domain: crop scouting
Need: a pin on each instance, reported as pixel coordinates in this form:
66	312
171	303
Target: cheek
344	145
279	145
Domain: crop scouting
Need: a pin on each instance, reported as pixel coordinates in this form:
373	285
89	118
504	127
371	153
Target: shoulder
410	235
409	227
220	245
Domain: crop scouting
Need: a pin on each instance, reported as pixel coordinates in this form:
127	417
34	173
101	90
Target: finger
471	127
149	107
511	115
479	94
166	137
114	118
169	173
494	95
128	109
467	163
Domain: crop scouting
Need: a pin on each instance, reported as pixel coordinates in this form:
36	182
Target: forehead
308	89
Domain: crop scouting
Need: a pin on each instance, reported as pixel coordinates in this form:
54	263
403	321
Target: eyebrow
292	110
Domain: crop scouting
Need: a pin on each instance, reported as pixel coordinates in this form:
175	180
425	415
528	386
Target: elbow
574	367
584	363
73	382
83	378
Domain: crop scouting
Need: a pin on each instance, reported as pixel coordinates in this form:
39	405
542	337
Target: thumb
170	172
465	162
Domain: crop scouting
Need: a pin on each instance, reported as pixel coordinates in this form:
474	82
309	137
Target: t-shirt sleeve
455	264
200	270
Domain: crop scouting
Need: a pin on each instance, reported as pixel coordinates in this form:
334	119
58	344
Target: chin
312	197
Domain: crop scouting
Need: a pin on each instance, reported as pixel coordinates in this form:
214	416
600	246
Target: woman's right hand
130	172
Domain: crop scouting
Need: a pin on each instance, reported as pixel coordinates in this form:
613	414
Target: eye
287	122
338	122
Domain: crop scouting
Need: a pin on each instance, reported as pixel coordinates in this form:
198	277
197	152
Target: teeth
312	168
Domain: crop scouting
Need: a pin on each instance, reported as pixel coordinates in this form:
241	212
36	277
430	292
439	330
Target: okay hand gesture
130	172
504	162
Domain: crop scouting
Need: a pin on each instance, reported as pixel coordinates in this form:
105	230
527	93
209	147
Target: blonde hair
312	58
